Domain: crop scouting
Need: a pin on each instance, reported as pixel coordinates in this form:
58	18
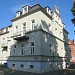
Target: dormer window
25	9
7	29
18	13
48	10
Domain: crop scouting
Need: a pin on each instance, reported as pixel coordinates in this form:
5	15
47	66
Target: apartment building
72	48
36	41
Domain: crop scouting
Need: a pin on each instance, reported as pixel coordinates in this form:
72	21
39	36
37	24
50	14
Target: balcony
4	45
21	35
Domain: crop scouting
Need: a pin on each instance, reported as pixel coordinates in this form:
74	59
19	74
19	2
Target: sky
8	10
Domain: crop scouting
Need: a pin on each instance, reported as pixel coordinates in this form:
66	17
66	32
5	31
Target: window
7	37
7	29
24	28
14	46
48	10
32	24
51	65
22	49
56	31
16	28
3	40
14	50
50	26
56	47
62	50
31	66
64	38
61	34
13	65
25	9
22	65
17	14
32	47
50	48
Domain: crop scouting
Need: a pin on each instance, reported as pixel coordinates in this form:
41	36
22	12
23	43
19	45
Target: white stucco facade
35	42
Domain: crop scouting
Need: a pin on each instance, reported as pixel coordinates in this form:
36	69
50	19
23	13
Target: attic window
48	9
17	14
25	9
6	29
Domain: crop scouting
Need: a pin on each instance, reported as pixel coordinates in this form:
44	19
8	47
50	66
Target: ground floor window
22	65
13	65
51	65
31	66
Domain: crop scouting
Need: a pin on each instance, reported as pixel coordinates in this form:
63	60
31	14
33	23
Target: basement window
22	65
31	66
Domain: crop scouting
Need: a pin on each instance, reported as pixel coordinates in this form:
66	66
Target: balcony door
24	28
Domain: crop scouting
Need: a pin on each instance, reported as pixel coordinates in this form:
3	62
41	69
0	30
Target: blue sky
9	7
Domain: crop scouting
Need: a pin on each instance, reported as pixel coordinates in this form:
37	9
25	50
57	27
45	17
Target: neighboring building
72	47
36	41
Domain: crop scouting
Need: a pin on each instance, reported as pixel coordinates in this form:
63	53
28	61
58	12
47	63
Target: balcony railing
20	35
4	45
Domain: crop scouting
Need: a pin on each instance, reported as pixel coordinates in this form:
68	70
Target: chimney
18	13
56	9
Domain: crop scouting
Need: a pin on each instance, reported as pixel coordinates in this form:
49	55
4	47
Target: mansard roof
32	10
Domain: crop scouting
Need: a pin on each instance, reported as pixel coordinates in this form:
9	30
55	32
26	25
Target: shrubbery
2	65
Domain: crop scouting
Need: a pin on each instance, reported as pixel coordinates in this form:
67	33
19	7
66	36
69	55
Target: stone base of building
36	67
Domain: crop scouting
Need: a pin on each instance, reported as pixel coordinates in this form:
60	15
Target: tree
73	12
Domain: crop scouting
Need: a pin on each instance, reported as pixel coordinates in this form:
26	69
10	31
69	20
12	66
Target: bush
2	65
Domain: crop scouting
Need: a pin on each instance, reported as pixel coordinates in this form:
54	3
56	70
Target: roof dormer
25	9
48	10
18	13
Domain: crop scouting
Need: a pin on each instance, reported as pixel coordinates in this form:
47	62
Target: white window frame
16	29
32	24
32	48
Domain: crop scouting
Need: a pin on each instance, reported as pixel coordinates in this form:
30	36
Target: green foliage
73	9
1	65
73	12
